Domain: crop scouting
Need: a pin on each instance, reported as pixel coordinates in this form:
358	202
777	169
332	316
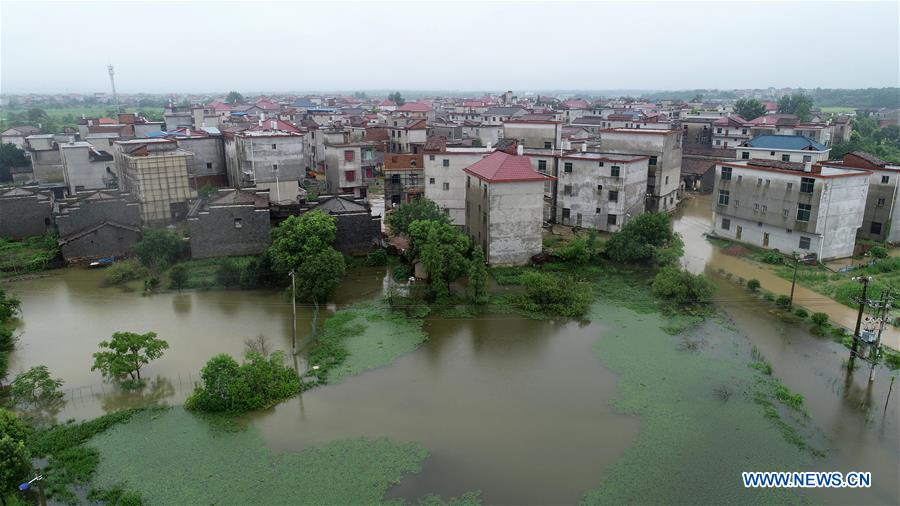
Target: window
348	155
771	153
803	212
726	224
468	181
743	131
431	180
600	164
807	158
759	181
566	212
567	190
208	165
756	206
614	171
598	210
613	195
765	208
740	178
350	175
446	186
567	167
548	145
726	173
395	178
737	203
790	186
238	223
446	162
875	228
768	181
652	160
542	165
611	219
880	202
431	158
723	197
885	179
718	142
667	180
718	130
784	213
275	167
785	158
804	242
274	146
807	184
745	155
599	188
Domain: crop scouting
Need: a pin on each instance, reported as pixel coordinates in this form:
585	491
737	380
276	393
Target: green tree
397	98
442	249
303	245
647	237
749	108
178	277
477	278
15	461
679	287
158	249
554	296
228	273
36	115
9	306
797	104
419	209
35	386
753	285
258	383
126	353
581	249
234	97
11	156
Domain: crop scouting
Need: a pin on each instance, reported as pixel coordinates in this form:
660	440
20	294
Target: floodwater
694	219
516	408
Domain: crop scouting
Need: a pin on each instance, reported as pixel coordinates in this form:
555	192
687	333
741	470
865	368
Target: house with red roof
730	131
416	110
505	207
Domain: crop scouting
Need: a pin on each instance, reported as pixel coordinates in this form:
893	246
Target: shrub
783	301
819	319
178	277
769	297
647	237
800	313
126	270
753	284
160	248
402	273
228	273
258	383
773	257
376	258
680	287
580	249
554	296
878	252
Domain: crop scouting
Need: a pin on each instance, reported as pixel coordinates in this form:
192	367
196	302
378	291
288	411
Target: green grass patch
177	458
32	254
208	272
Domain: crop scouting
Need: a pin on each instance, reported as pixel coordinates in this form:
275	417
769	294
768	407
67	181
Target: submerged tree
477	275
442	249
418	209
15	461
303	246
647	237
749	108
126	353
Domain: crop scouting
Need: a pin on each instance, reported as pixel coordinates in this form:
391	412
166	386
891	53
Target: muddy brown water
516	408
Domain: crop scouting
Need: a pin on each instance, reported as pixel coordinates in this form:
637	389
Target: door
739	230
765	239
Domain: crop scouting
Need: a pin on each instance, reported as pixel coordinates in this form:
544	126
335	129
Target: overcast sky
216	46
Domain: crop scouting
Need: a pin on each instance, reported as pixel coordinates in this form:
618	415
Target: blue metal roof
794	142
158	133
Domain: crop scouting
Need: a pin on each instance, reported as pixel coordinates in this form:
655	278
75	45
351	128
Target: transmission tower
112	83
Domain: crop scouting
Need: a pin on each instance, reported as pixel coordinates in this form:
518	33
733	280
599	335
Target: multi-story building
404	178
231	222
792	207
663	147
46	164
504	208
784	148
407	135
730	131
267	156
208	147
599	190
882	203
155	172
445	181
537	131
87	168
349	166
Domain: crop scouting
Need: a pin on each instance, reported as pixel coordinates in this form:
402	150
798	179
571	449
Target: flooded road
694	219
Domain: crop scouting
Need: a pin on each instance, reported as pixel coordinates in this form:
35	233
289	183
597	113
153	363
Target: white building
663	147
783	148
802	208
445	181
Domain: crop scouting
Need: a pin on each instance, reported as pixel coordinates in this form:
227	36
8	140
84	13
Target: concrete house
784	148
208	147
500	114
505	207
25	212
358	232
404	178
268	156
730	131
664	149
231	222
882	204
445	177
802	208
17	135
96	224
46	164
349	166
87	168
407	135
599	190
155	172
535	131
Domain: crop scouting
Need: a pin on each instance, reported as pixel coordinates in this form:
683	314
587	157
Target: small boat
102	262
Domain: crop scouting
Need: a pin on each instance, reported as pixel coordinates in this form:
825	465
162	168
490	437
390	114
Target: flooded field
521	410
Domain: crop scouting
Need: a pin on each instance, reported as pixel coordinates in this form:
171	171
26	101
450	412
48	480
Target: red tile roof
500	167
414	107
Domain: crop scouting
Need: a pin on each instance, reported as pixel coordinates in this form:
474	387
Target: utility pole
793	281
294	313
884	307
862	301
112	82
